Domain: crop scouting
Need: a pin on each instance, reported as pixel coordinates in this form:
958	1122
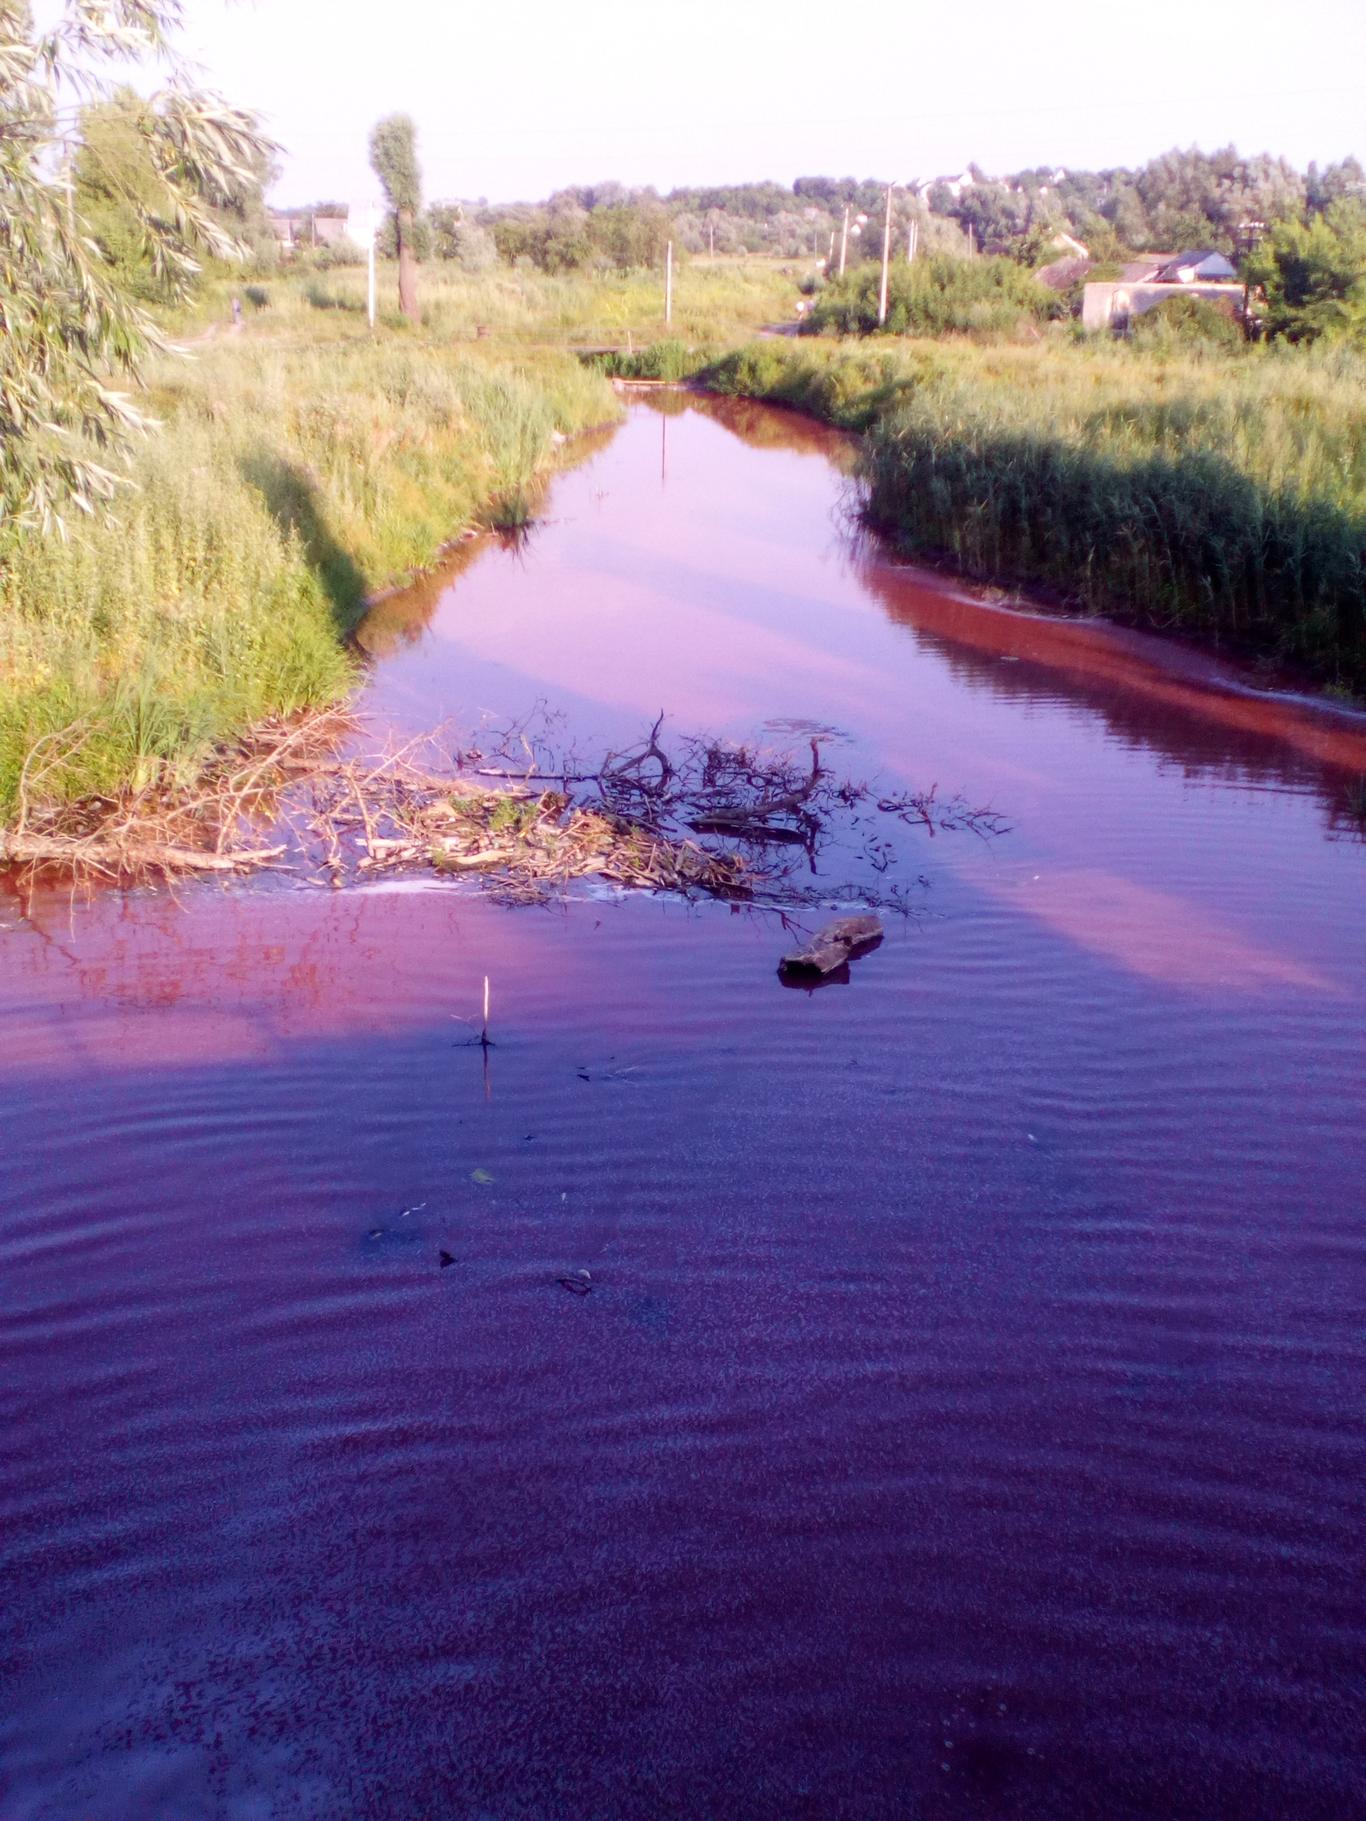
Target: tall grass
1224	495
721	302
288	482
303	464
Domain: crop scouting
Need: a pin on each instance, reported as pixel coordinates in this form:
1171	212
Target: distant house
954	185
305	228
1200	266
1144	271
1145	283
1065	243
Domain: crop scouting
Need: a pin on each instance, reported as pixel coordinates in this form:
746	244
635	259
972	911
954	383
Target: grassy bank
302	465
1222	495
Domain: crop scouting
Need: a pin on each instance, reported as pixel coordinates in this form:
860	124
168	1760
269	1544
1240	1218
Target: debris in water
481	1176
839	942
580	1284
447	1258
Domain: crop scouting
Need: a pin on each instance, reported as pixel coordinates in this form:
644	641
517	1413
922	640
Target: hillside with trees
1298	235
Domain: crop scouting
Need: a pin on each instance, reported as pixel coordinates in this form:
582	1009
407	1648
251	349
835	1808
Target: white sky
521	99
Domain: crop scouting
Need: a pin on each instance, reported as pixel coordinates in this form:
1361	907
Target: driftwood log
831	948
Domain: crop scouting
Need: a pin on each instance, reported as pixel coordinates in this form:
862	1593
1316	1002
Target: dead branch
652	817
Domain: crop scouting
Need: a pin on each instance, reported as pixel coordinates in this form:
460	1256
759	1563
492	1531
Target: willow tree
72	336
393	159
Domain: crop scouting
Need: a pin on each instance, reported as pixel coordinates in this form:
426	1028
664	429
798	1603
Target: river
965	1415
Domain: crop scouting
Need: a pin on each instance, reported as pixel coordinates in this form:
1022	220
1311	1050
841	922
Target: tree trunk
407	266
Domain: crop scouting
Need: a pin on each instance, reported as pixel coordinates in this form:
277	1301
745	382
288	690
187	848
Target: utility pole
912	241
886	259
362	224
844	240
669	283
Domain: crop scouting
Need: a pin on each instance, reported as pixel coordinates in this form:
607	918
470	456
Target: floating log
830	948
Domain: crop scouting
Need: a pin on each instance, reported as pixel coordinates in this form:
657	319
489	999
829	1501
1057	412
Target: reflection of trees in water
759	426
1208	732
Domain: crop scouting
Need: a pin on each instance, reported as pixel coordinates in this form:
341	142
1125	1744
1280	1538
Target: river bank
301	465
304	466
1221	496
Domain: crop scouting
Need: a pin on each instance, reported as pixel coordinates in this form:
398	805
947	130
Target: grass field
720	302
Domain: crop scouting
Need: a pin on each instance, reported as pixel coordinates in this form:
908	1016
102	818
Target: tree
117	182
393	158
70	329
1313	275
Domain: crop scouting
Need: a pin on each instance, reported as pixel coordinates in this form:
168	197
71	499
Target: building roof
1063	272
1170	272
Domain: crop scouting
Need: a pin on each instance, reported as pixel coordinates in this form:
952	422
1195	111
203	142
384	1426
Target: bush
1178	320
934	296
1313	276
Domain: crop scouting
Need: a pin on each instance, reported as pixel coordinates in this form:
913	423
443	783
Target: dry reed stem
634	821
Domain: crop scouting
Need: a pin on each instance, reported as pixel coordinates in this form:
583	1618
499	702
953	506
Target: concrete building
1147	282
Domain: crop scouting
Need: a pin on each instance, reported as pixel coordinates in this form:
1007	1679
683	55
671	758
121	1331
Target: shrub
670	360
934	296
1188	320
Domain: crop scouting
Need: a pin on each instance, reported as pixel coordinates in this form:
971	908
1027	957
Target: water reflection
965	1412
1157	695
747	593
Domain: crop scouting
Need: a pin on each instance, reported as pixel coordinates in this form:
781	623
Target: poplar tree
393	158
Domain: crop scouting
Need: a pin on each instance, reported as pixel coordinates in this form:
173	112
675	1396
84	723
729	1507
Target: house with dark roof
1145	283
1199	266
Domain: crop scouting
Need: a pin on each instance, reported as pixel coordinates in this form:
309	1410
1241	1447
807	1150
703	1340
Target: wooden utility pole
886	259
844	240
669	283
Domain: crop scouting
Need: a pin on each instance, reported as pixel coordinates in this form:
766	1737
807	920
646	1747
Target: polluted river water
936	1395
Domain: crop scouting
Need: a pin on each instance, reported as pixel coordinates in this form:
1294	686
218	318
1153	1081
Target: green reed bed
1220	494
289	481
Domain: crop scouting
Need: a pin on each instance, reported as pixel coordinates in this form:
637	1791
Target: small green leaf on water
480	1176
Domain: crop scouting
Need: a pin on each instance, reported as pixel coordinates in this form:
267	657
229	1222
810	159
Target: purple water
966	1417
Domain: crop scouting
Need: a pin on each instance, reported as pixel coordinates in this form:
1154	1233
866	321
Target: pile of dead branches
694	817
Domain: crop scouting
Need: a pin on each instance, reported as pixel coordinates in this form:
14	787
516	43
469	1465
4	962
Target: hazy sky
517	100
